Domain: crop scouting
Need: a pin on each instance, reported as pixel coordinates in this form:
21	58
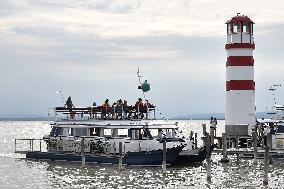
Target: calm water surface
16	172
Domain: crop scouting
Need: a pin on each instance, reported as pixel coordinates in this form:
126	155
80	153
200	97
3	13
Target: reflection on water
17	172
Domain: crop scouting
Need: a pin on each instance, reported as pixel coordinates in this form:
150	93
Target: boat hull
151	158
199	157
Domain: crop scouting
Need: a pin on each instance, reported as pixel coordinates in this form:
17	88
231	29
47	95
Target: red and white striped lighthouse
240	86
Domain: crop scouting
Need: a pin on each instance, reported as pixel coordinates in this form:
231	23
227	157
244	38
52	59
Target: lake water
17	172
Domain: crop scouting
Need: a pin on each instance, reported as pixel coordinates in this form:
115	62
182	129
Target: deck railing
87	113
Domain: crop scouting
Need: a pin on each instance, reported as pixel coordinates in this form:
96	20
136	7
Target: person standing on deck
69	105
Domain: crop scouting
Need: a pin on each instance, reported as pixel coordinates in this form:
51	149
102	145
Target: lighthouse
240	86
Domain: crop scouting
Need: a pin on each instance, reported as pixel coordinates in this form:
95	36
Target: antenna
139	78
273	89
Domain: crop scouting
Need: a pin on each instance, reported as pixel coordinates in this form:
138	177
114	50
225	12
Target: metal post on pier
266	165
254	136
83	153
120	156
164	163
225	156
208	156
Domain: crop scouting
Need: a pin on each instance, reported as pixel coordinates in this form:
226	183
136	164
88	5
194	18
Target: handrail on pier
31	145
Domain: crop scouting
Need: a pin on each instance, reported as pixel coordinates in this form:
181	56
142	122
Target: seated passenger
105	109
119	108
139	107
125	109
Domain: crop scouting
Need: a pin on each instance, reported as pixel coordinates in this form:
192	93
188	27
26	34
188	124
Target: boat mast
139	78
273	89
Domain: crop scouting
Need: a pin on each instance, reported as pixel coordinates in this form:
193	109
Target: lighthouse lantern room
240	86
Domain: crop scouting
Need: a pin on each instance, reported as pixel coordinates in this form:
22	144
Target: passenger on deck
94	103
105	109
139	108
125	109
69	105
93	110
119	109
147	105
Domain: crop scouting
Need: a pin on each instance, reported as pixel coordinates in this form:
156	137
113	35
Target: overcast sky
91	49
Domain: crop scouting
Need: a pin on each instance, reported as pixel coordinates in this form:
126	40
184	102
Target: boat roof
157	124
271	121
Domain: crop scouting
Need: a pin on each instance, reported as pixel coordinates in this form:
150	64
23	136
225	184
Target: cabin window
55	131
107	132
280	129
122	132
94	131
229	28
237	27
246	28
80	132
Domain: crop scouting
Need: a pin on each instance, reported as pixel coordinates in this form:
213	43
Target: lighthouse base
240	129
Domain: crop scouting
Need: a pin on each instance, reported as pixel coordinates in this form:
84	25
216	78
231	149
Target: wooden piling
195	141
266	164
269	143
83	153
204	128
164	163
237	147
212	135
120	156
254	147
225	155
191	135
208	156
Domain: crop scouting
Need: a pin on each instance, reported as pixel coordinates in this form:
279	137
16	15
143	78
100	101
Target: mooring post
83	153
204	128
225	156
164	164
266	165
208	155
195	141
212	135
40	145
120	156
237	147
204	133
254	137
269	139
15	145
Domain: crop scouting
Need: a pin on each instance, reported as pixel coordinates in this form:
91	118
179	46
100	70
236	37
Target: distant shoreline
219	116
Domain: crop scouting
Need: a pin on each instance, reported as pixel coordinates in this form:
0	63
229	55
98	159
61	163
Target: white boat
142	139
98	131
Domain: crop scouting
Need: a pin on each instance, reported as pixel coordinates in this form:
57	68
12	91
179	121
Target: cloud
92	48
